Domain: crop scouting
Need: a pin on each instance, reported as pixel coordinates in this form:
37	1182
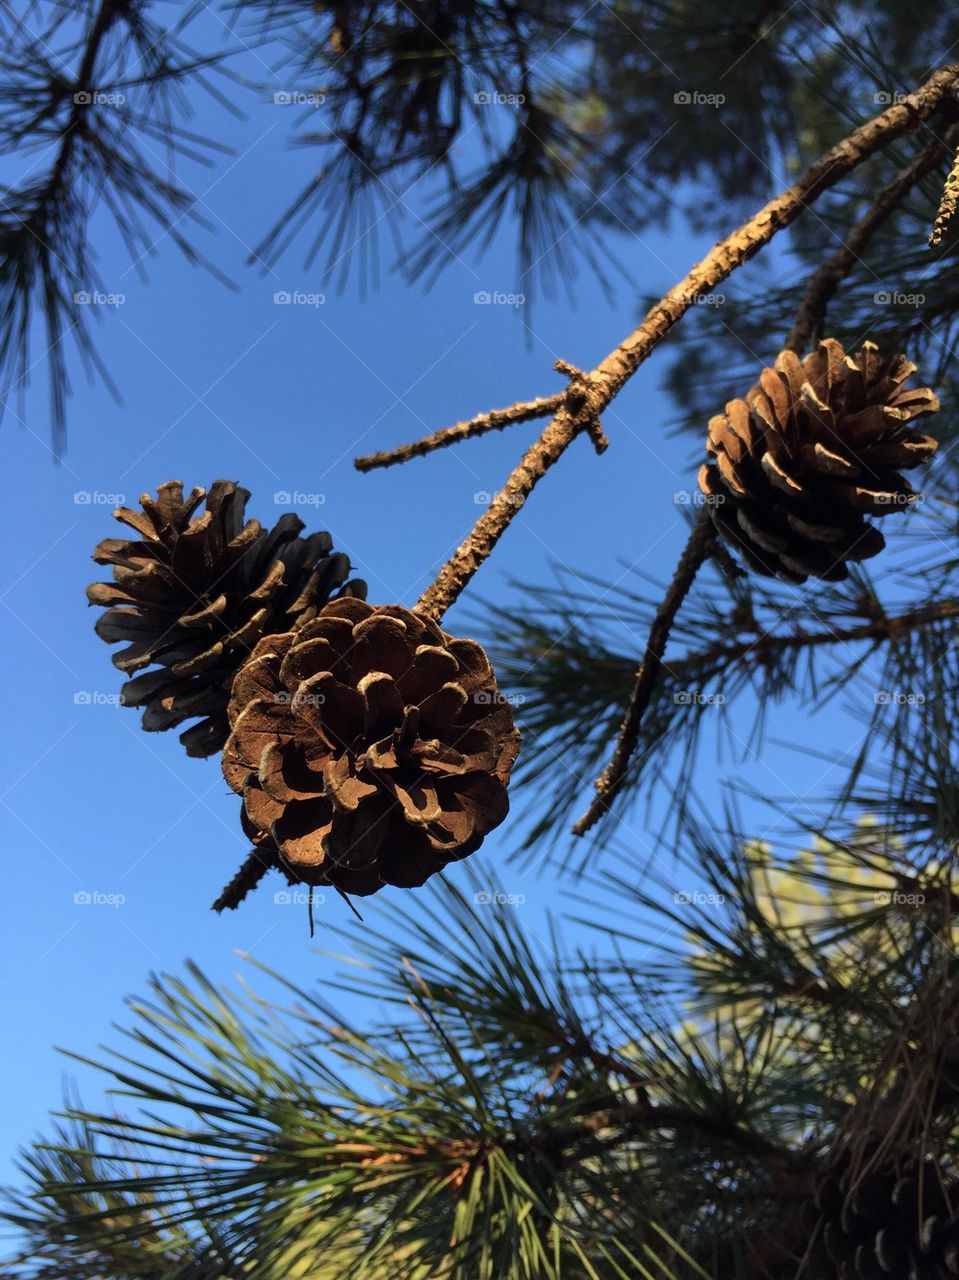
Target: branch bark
823	283
588	397
252	870
494	420
610	781
720	657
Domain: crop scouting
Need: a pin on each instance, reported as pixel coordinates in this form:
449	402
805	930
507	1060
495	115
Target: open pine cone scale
815	446
193	594
371	746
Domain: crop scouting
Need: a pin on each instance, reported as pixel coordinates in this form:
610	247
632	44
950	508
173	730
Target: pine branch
589	395
46	263
610	781
493	420
254	867
808	326
887	628
426	1140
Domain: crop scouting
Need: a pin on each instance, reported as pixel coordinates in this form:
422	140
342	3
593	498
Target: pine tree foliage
661	1105
563	123
93	104
885	647
755	1036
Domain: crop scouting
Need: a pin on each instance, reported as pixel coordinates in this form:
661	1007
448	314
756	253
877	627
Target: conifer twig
823	283
889	627
589	395
494	420
251	872
610	781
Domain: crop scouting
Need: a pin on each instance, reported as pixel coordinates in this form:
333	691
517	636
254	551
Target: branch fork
577	409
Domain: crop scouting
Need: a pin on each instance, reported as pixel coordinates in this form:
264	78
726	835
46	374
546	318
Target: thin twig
494	420
722	656
610	781
598	436
628	1122
702	664
823	283
584	401
253	869
108	13
728	567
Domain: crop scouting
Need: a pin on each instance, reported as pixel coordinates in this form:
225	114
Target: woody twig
589	394
823	283
494	420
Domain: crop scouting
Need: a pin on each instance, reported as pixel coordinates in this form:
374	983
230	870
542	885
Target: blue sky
280	398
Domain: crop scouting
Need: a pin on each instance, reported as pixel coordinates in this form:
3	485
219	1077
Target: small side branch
697	550
254	868
494	522
878	630
494	420
589	394
823	283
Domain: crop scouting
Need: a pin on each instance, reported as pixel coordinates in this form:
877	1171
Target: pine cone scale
371	747
813	448
876	1223
196	593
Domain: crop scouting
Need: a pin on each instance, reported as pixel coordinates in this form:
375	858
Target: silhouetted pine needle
597	132
672	1095
97	89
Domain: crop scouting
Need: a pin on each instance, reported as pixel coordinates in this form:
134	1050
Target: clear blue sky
222	384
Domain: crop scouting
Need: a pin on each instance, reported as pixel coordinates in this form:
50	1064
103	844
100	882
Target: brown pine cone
898	1221
194	595
815	446
371	746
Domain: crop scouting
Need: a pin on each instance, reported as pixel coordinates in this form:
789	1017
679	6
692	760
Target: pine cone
193	596
815	446
896	1222
370	745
